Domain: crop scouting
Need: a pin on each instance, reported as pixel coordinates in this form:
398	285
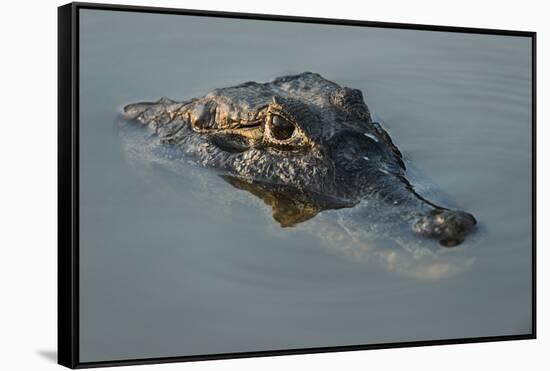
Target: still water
175	261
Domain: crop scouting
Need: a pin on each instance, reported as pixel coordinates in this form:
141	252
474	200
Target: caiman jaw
450	227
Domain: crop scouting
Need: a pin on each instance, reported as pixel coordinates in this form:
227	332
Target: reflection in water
369	233
356	235
290	206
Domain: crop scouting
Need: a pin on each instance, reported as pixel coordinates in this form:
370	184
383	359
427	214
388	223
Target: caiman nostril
449	226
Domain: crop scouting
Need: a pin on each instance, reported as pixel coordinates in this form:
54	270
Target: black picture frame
68	183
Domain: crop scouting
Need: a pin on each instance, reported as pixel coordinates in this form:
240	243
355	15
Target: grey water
174	261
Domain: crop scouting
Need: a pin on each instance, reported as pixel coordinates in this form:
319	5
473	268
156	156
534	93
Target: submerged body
303	144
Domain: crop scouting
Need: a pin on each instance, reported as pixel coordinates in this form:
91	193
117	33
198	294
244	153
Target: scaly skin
301	143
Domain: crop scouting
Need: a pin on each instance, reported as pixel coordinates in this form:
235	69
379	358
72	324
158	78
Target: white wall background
28	193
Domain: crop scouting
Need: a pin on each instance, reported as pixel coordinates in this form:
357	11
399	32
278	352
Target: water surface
180	263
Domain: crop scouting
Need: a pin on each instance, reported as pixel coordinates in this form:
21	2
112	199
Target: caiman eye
281	129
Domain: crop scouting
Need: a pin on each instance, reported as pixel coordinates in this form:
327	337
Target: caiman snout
449	226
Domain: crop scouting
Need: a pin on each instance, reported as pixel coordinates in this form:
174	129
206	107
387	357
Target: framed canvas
239	185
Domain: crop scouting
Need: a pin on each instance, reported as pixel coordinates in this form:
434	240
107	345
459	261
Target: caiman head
302	144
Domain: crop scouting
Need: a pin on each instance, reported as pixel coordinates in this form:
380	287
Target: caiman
303	144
